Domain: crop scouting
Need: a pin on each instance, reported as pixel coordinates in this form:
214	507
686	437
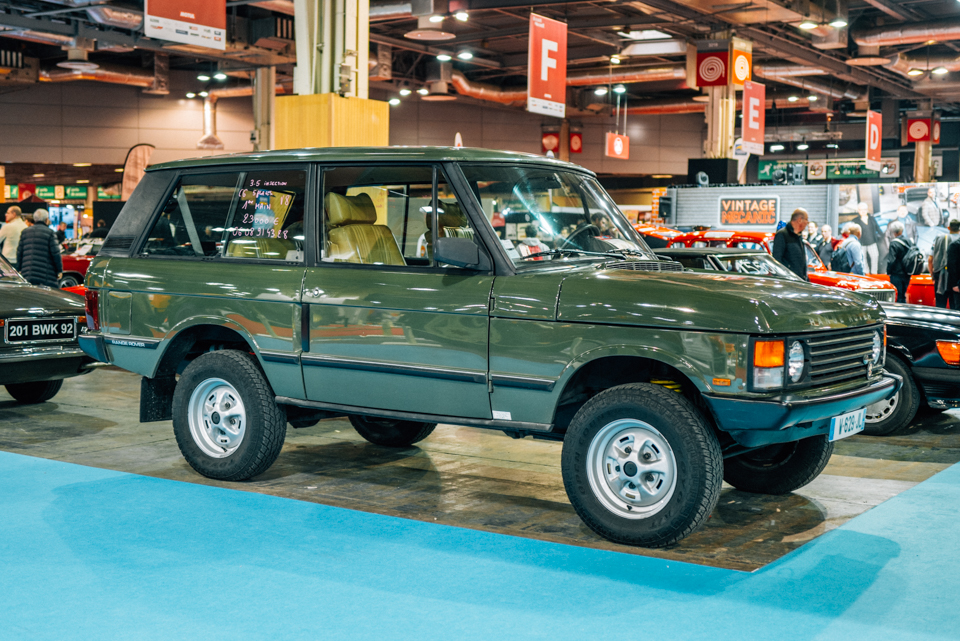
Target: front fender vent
646	265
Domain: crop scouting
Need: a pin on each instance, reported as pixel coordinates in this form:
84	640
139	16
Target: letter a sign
547	70
754	115
874	129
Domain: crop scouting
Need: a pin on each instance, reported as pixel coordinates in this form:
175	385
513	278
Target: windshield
8	274
754	264
546	214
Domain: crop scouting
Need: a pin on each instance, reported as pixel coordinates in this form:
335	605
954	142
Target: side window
268	221
239	214
384	215
194	218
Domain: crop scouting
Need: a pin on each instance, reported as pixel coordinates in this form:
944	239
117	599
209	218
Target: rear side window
255	214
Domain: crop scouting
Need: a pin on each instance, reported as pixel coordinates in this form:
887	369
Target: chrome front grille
881	295
839	357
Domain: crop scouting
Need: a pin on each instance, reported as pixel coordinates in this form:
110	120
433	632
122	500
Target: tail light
92	308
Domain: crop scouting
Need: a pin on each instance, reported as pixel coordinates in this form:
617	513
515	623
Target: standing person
953	274
825	248
100	231
531	244
909	227
937	263
61	232
814	237
929	209
10	234
853	248
870	235
788	244
899	272
38	254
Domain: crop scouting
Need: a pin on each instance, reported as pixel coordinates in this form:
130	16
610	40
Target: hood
23	300
933	317
713	302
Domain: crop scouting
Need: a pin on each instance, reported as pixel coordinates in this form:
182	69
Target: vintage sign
617	146
750	210
576	143
203	24
754	116
712	59
547	67
874	140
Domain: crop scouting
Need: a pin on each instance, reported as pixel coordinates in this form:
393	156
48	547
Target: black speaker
719	170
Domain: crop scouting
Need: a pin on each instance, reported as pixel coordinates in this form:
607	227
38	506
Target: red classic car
876	285
75	263
656	236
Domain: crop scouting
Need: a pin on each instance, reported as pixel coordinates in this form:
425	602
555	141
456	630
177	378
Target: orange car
656	236
876	285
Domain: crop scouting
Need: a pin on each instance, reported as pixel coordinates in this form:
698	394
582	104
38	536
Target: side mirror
459	252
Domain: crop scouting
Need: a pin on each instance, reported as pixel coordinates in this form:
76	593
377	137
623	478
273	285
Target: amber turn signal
768	354
949	352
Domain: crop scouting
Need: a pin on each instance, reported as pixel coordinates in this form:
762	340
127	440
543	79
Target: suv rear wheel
225	417
390	432
29	393
780	468
640	465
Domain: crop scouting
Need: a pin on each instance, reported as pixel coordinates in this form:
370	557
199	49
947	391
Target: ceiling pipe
390	10
787	70
911	33
41	38
626	76
115	17
667	107
483	91
209	138
902	63
105	73
794	79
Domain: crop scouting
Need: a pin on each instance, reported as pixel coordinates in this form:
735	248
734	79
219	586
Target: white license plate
847	424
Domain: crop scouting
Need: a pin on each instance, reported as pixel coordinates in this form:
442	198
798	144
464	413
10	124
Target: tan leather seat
452	223
354	236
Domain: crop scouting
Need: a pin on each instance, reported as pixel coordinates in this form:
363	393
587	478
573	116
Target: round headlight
877	348
795	362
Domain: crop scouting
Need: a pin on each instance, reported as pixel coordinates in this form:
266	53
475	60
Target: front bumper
755	423
940	385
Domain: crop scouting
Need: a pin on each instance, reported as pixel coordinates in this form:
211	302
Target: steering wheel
568	241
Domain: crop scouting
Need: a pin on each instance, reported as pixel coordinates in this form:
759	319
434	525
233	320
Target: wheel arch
198	335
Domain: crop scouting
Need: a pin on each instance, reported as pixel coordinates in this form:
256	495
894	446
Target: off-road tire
901	409
30	393
780	468
390	432
663	417
265	423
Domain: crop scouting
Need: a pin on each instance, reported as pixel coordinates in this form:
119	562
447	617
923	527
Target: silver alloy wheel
882	410
631	468
217	417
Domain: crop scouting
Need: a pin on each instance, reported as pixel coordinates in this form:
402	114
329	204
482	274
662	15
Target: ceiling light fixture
615	60
394	102
838	23
939	71
405	92
808	24
82	164
203	77
600	91
444	57
915	72
82	182
833	145
119	170
435	19
793	98
462	16
191	95
203	94
668	175
465	55
803	146
39	175
776	147
619	89
423	91
813	98
219	76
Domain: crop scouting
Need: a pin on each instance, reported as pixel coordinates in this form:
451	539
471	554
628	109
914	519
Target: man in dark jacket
38	254
899	246
788	244
953	274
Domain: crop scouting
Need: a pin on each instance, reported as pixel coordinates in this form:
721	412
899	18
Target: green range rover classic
405	287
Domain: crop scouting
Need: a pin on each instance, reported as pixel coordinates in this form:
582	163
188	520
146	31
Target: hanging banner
754	116
576	142
203	24
618	146
712	58
547	67
874	139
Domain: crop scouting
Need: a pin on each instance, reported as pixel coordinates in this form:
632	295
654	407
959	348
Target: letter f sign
546	62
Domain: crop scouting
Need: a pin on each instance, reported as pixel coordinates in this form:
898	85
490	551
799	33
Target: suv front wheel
640	465
225	417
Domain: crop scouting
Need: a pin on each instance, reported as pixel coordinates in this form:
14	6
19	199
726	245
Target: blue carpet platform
94	554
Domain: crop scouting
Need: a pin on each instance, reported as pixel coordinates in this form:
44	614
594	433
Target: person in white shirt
10	234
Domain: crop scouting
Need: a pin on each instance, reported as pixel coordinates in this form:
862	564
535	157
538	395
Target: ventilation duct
912	33
209	139
115	17
41	38
280	6
902	63
796	76
482	91
667	107
390	10
105	73
627	76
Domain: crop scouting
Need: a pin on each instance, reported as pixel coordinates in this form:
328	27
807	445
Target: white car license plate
847	424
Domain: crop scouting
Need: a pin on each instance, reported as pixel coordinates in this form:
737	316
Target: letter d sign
874	127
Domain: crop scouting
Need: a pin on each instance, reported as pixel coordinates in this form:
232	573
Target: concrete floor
475	478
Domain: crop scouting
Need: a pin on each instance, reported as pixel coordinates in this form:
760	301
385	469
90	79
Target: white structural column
721	117
333	47
264	101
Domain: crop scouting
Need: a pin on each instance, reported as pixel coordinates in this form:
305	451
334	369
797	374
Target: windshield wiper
562	252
